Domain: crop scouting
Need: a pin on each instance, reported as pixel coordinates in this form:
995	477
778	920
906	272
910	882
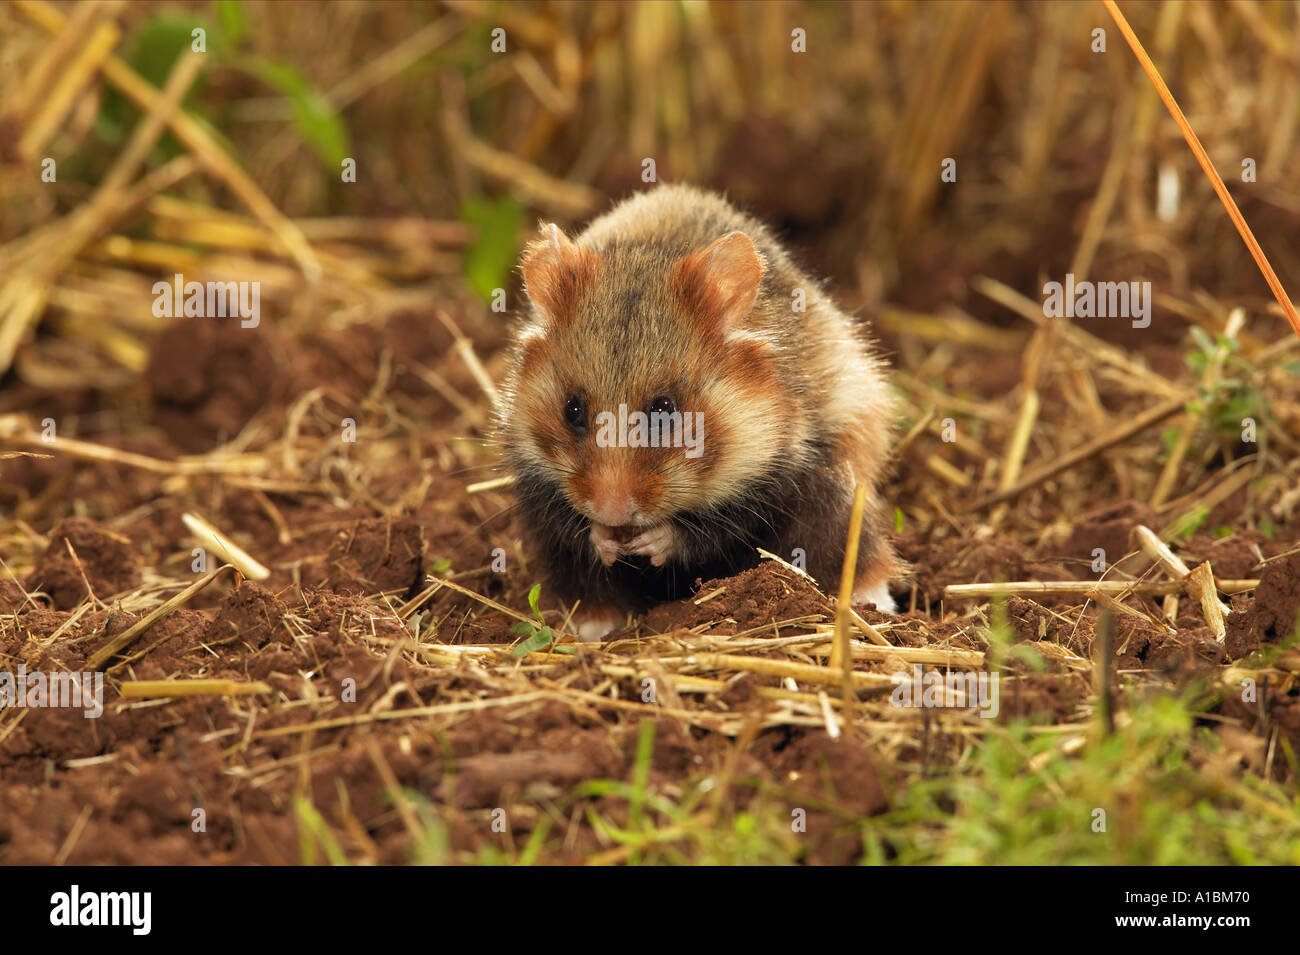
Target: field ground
448	727
368	707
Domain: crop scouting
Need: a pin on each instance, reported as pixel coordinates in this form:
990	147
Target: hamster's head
645	381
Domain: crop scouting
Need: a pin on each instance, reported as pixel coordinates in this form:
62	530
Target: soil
84	558
753	598
371	679
1272	615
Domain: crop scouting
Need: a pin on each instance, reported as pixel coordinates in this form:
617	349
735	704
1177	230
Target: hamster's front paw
658	543
606	543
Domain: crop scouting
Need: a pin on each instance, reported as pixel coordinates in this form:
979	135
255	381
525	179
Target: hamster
679	394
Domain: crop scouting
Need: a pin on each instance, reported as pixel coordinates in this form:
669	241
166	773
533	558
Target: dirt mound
768	593
82	553
1235	557
12	596
252	615
378	555
1108	528
939	562
208	376
1272	614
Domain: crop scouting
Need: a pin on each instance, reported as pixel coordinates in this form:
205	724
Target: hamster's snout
612	507
611	492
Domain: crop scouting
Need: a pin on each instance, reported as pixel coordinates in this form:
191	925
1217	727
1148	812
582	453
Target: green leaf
312	828
490	257
533	597
160	43
538	641
441	566
157	46
898	520
1191	522
1203	340
536	842
313	117
233	22
522	627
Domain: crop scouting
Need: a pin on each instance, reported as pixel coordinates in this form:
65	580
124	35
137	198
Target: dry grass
1054	144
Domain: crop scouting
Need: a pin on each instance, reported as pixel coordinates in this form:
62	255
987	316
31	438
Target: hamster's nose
612	507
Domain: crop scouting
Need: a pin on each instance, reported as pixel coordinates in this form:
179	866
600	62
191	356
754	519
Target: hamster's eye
575	413
662	405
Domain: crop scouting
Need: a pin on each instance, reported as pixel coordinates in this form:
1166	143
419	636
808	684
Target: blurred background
380	165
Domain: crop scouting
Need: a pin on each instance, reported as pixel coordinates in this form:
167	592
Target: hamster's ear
719	283
555	272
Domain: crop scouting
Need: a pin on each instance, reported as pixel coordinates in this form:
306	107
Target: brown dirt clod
1272	614
109	562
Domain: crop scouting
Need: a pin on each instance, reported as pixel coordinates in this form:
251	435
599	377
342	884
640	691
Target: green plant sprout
537	636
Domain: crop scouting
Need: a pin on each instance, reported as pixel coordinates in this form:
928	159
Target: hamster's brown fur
675	299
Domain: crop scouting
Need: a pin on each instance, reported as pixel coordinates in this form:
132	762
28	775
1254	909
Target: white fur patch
594	628
878	595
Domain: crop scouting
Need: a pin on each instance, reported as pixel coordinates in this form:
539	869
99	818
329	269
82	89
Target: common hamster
681	393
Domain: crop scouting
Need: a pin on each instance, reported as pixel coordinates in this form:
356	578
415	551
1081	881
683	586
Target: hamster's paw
595	624
658	543
877	594
606	544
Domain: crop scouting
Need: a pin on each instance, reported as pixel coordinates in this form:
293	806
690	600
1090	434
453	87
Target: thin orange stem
1216	180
